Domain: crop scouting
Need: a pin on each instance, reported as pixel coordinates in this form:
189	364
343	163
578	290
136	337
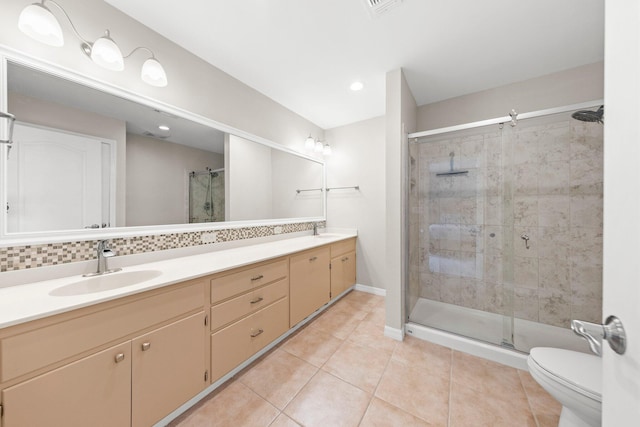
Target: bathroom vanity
131	355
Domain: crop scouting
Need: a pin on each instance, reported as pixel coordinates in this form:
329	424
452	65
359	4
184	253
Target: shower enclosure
505	229
206	196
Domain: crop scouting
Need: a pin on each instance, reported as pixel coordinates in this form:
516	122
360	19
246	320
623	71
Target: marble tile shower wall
542	180
33	256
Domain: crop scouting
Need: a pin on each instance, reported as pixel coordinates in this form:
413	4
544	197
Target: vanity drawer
60	337
343	247
239	341
243	280
226	312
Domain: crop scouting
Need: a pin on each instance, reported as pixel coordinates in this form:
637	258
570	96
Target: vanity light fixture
319	147
326	150
38	22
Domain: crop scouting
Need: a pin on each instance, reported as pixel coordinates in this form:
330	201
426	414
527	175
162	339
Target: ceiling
305	54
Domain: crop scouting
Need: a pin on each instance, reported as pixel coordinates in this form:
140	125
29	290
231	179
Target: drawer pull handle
119	357
146	346
257	300
313	259
256	333
345	259
253	279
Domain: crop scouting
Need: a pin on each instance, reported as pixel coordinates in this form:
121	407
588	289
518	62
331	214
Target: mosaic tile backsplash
33	256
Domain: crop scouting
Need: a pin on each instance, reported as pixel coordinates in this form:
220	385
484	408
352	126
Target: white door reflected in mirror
58	181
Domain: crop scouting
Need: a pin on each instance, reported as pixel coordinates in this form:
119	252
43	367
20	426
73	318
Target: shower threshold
470	330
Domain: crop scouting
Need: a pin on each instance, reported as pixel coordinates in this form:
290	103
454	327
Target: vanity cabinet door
309	282
343	273
168	369
93	391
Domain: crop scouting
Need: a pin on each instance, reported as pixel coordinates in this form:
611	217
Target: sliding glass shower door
505	231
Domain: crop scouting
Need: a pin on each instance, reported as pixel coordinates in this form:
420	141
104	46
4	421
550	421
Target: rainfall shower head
590	116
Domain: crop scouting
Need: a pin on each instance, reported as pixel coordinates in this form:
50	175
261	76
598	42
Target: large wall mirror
86	159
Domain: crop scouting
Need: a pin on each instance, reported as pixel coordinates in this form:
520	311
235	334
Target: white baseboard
396	334
370	290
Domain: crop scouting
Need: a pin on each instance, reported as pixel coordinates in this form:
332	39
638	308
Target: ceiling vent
380	7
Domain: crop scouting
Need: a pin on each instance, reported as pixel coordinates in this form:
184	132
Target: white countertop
22	303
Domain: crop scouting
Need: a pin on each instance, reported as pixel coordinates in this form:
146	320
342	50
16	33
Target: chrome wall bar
506	119
310	189
355	187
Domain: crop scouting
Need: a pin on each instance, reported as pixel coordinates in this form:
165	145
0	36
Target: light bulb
309	144
153	73
37	21
106	53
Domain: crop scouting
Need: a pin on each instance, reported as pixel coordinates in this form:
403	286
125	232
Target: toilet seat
580	372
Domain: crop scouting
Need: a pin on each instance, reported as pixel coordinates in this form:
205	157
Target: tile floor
340	370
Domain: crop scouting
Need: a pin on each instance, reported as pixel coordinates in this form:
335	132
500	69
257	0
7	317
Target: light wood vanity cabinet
309	282
121	363
343	266
134	360
250	309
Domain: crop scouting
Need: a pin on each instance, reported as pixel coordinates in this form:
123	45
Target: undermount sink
326	236
105	282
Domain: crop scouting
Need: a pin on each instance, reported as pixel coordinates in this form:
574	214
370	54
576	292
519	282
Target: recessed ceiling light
356	86
164	128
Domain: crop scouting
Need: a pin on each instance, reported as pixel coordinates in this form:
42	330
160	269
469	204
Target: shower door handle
612	331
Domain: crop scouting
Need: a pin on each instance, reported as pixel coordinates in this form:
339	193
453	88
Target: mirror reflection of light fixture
38	22
309	143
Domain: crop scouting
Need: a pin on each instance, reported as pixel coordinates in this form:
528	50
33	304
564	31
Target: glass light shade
309	144
106	53
326	150
152	73
319	147
37	21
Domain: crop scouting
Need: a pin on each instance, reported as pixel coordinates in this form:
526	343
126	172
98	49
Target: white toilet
574	379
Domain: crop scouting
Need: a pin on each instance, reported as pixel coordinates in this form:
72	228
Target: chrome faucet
104	252
315	228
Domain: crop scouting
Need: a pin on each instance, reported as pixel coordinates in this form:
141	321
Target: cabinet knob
257	300
256	333
146	346
253	279
119	357
313	258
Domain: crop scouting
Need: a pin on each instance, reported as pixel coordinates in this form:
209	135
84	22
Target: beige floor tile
284	421
416	390
377	316
415	352
545	408
471	408
312	345
370	335
382	414
358	365
487	377
278	377
230	408
328	401
338	321
363	300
